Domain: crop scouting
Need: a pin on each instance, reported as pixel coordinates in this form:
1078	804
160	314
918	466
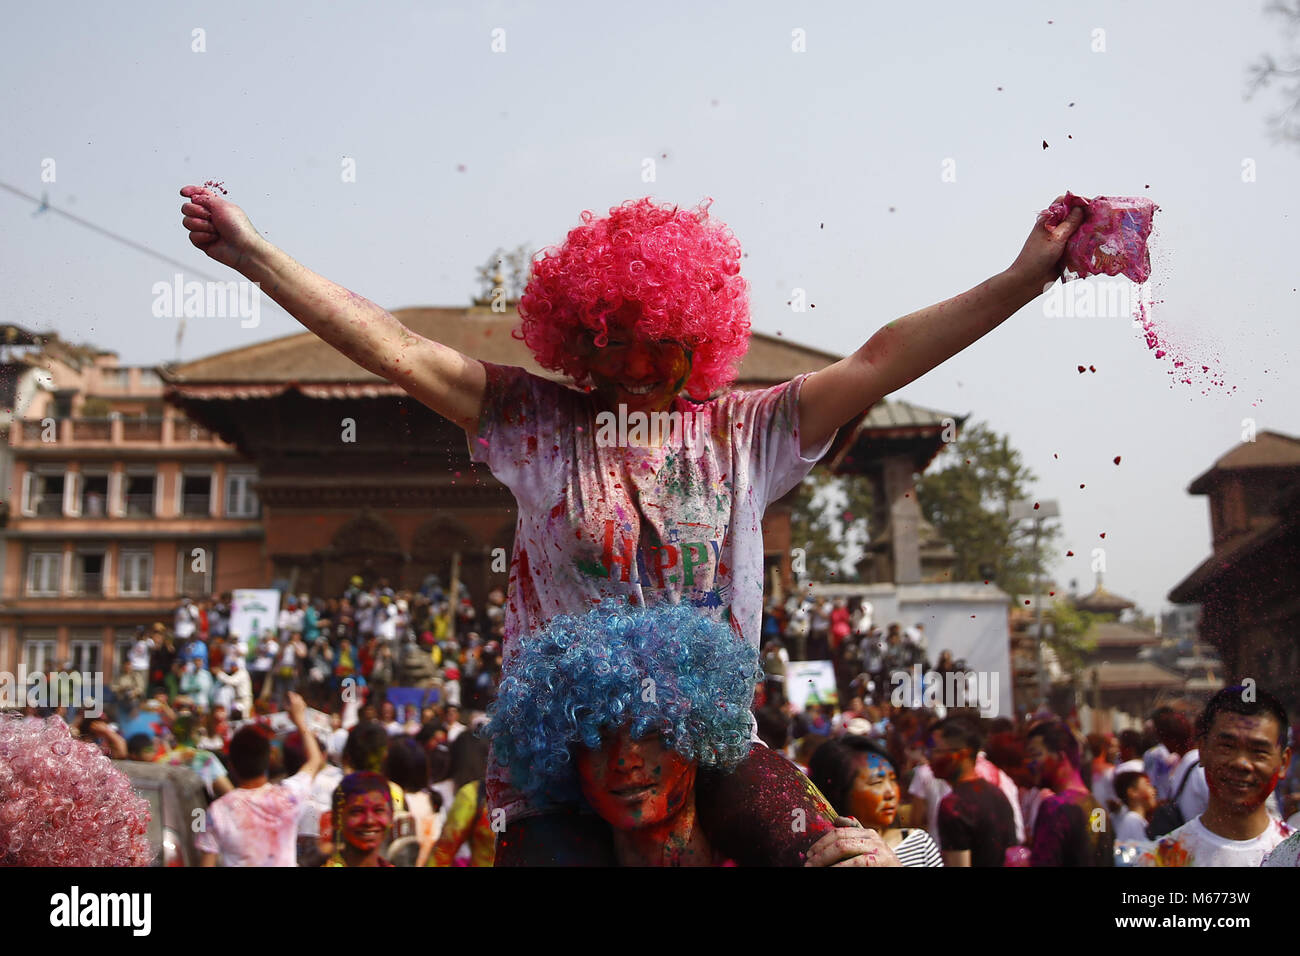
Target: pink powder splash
1111	240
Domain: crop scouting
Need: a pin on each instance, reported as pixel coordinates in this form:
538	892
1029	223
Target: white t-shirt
930	788
257	827
681	521
1196	795
1193	845
320	800
1130	825
139	656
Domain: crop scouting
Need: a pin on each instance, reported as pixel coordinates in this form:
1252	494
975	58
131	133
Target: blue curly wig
585	673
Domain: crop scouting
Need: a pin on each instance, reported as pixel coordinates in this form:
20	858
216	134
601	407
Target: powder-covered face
1242	759
627	370
943	754
874	797
634	783
1040	763
366	819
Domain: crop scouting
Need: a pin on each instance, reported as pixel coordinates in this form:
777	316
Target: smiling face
366	819
1243	760
643	375
634	783
873	800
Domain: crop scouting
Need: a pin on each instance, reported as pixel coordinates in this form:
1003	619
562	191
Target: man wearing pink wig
646	310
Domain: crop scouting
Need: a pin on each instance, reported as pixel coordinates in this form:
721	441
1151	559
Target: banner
810	682
252	611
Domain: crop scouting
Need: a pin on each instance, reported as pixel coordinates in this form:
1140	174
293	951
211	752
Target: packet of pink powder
1111	240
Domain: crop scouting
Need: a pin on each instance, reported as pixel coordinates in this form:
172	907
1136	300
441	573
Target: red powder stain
1055	455
1026	602
1051	594
558	510
1035	505
1082	370
216	185
460	167
1103	534
1117	457
1081	486
1092	368
1069	554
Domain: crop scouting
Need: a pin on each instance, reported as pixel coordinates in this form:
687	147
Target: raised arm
907	348
450	383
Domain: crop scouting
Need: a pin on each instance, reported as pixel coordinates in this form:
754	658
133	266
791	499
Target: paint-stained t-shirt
1192	844
259	826
602	517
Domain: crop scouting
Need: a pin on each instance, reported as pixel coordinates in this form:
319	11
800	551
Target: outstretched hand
1041	261
219	228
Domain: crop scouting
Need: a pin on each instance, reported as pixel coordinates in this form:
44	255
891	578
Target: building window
117	377
240	500
86	653
194	569
196	495
43	491
94	495
44	569
149	378
88	566
137	573
38	654
140	495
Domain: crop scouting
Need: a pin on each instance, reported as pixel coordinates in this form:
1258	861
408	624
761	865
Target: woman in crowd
859	779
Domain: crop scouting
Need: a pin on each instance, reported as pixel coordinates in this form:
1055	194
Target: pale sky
560	121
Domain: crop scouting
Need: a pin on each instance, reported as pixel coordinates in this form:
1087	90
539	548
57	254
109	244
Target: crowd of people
346	778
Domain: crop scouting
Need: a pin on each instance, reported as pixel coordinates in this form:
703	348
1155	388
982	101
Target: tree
1066	632
828	520
1286	124
968	501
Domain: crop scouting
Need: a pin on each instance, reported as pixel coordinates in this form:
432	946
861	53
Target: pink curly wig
63	803
680	268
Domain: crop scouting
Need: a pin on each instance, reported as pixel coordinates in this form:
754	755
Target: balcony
49	506
91	429
138	430
142	429
91	584
139	505
196	505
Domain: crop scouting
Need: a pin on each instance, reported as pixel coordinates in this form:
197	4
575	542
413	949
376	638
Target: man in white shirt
1174	731
1242	734
256	824
186	623
138	659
